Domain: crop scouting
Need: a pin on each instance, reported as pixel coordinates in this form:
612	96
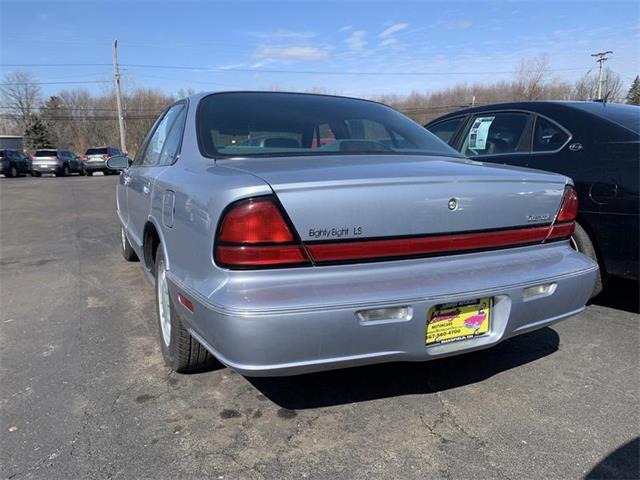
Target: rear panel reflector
401	247
185	302
260	256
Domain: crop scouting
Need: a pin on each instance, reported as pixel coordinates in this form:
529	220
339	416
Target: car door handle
146	189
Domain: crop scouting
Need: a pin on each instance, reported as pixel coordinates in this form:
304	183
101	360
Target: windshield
276	124
46	153
96	151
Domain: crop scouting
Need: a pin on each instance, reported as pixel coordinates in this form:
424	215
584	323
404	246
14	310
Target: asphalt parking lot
85	393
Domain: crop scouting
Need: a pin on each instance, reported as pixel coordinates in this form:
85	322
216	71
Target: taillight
106	156
254	234
85	158
569	208
564	225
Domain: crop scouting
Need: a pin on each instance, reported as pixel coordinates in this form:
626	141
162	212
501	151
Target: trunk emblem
453	204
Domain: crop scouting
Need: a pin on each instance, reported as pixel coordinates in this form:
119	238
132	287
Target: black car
596	144
14	163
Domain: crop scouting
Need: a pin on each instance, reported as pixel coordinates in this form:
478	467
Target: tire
180	350
65	171
36	174
128	252
83	172
581	242
88	173
12	173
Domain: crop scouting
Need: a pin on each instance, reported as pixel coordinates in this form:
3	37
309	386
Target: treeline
532	82
76	119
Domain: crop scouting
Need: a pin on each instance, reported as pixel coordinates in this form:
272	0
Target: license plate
452	322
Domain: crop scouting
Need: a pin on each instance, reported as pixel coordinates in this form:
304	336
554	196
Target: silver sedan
288	233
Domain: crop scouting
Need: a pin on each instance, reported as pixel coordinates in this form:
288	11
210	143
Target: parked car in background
95	159
14	163
349	236
59	162
596	144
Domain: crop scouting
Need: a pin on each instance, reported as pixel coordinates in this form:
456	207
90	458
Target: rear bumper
100	166
303	320
46	168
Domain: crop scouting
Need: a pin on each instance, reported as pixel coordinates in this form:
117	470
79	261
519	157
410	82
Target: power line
55	83
89	109
282	71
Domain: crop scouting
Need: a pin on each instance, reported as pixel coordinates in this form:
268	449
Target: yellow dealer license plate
451	322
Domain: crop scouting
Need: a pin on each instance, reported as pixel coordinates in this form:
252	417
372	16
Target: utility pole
601	58
116	78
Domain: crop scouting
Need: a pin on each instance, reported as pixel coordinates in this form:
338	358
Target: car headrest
281	142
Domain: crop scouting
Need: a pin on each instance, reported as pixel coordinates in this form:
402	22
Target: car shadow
622	463
620	294
373	382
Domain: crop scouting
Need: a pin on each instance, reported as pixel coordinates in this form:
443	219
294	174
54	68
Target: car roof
199	96
534	105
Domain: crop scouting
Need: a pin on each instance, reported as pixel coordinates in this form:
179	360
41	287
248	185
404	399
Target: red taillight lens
569	208
105	156
254	233
85	158
255	221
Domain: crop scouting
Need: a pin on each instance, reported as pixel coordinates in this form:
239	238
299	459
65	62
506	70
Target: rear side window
445	130
158	139
547	136
497	133
172	142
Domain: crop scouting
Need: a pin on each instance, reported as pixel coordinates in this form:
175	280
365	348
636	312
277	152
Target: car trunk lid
373	196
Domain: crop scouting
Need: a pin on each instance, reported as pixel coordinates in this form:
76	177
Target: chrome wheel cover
164	313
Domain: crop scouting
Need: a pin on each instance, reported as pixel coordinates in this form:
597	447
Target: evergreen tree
633	97
37	134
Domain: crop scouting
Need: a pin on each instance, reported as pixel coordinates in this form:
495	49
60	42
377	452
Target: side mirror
118	162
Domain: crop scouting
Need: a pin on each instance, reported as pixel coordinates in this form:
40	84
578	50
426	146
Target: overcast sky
261	45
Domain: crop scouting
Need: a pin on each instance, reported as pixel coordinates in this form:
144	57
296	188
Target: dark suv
14	163
59	162
95	159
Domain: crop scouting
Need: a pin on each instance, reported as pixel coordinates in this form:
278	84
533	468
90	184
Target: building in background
13	142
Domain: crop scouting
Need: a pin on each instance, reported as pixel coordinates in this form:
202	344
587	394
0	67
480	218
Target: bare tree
20	95
586	88
531	78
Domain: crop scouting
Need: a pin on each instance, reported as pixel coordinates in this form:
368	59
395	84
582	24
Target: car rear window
255	124
45	153
96	151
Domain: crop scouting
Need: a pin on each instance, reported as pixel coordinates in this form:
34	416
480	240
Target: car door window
172	142
156	142
548	136
445	130
497	133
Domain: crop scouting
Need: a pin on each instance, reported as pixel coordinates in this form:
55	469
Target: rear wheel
35	174
13	172
180	350
64	172
128	252
581	242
